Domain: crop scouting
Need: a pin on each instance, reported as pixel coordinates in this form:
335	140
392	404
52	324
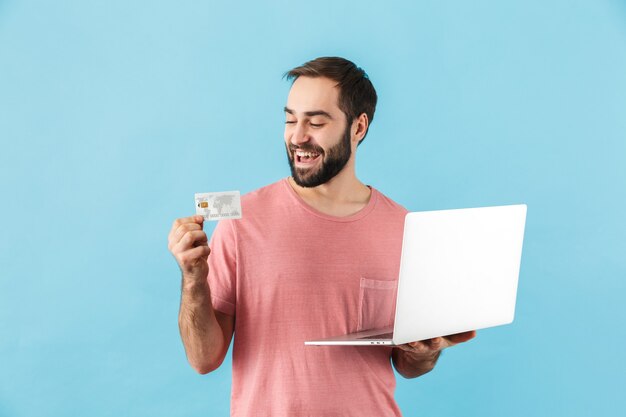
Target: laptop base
374	337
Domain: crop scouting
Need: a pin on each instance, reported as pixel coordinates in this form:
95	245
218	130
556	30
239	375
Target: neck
343	195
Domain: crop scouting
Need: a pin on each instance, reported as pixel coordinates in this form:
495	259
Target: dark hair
356	92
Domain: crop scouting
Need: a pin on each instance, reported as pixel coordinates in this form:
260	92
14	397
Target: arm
417	358
205	333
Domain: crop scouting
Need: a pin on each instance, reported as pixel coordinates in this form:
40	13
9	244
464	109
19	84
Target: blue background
114	113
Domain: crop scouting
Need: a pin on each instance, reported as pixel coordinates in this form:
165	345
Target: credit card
218	206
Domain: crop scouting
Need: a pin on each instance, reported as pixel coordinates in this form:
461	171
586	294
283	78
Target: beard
332	163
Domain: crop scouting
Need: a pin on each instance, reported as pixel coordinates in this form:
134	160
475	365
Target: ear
359	127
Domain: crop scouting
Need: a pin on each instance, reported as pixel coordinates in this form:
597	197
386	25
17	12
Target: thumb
199	220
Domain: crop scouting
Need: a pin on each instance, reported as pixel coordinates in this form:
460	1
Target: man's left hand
431	347
417	358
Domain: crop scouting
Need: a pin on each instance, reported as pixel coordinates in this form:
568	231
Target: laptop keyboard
379	336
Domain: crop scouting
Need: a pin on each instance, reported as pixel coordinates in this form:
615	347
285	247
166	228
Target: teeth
305	154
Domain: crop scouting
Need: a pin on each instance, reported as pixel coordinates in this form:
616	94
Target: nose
298	134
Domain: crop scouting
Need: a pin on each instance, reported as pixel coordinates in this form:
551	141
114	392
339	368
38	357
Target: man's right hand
189	245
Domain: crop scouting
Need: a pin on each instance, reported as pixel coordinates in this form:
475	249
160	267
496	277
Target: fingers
184	228
187	220
461	337
190	258
190	239
437	343
430	346
190	219
181	226
416	347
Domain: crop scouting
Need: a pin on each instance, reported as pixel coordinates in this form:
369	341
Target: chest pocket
377	303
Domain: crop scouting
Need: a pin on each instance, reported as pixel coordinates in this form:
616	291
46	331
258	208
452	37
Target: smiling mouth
305	157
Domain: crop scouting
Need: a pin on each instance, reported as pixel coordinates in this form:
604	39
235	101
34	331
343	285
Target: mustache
315	149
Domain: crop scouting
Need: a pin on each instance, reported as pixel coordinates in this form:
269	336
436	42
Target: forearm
200	331
411	365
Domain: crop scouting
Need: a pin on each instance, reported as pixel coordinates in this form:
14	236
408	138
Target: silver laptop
458	272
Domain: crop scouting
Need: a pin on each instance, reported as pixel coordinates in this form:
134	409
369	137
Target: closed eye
314	125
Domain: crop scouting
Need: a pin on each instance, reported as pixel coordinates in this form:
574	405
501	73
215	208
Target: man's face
317	135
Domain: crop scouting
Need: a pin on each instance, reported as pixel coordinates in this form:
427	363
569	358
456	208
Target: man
315	255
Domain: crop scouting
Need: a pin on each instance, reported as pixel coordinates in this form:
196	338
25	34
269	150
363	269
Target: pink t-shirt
290	273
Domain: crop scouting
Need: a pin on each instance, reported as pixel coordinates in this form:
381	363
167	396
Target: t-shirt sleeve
222	262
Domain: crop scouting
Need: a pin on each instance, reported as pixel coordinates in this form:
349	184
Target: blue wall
113	114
